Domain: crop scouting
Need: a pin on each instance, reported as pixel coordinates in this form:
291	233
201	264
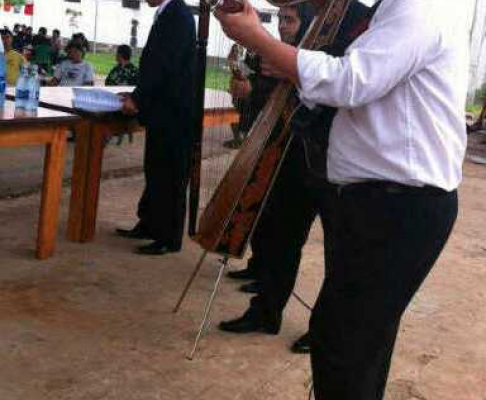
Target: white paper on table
96	100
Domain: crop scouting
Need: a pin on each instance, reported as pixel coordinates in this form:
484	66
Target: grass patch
216	77
474	108
101	62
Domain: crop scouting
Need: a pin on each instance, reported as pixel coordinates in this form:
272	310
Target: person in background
240	100
27	37
13	59
74	71
290	211
41	38
81	40
56	44
28	53
252	94
43	51
124	73
18	38
270	233
134	34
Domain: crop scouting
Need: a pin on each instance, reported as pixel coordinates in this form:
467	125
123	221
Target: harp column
195	178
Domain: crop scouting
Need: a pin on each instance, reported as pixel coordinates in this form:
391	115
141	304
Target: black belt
391	187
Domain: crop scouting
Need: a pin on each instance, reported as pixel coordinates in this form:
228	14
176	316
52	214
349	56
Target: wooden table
91	129
45	127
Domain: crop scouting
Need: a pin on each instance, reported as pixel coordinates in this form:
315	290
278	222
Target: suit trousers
381	243
162	207
283	229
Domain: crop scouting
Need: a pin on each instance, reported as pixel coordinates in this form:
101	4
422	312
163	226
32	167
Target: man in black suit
163	103
300	194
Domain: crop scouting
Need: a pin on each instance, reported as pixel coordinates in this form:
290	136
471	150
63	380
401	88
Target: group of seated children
66	70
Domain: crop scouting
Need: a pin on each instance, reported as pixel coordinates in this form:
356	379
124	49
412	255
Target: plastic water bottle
33	85
3	83
22	89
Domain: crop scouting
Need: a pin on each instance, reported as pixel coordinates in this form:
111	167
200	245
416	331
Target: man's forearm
282	56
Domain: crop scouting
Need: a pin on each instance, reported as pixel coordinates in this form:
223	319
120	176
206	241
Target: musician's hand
240	88
243	27
128	105
268	69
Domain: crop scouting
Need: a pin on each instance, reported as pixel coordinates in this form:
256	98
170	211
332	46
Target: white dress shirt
161	9
401	91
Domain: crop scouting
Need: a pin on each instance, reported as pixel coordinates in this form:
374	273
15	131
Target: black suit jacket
164	95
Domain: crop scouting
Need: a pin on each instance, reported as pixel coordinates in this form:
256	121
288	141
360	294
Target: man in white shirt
395	155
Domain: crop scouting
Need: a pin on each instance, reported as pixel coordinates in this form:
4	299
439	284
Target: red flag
29	9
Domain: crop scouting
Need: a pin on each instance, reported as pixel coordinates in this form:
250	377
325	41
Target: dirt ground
95	321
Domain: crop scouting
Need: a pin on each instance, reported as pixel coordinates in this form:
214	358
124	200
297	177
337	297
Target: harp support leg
190	281
207	310
301	301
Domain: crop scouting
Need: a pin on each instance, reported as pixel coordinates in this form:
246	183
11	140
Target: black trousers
381	242
283	230
162	207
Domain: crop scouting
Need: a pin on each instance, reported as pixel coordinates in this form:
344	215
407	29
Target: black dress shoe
156	248
252	287
301	345
243	274
137	232
251	321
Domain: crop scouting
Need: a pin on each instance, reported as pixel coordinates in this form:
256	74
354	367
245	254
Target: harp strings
217	156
